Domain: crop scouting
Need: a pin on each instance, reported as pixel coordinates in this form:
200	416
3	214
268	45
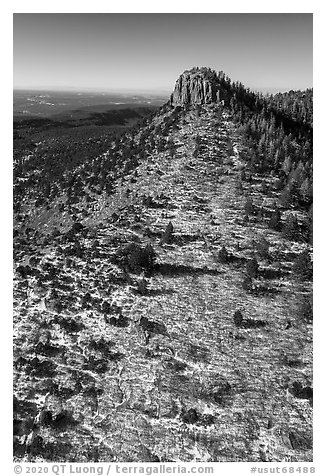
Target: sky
147	52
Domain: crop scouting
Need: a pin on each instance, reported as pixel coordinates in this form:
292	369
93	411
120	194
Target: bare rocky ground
119	361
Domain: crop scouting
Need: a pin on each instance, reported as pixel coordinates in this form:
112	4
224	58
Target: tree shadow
168	269
160	292
268	273
181	240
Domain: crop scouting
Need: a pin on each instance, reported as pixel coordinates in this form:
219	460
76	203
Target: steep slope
127	346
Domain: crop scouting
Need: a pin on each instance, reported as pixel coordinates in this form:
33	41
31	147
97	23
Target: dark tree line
76	165
278	132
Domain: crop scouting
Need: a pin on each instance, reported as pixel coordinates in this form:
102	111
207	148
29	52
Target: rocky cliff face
197	86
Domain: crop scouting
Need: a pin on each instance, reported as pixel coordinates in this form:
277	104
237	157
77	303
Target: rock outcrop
197	86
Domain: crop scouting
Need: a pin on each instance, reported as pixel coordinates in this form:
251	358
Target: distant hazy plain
48	103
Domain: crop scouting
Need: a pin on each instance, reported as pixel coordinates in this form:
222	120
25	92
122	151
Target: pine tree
306	191
291	229
302	266
275	221
247	284
263	247
223	255
287	164
286	197
252	267
167	236
305	308
238	318
249	207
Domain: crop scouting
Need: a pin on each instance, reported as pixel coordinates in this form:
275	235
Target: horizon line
140	90
92	89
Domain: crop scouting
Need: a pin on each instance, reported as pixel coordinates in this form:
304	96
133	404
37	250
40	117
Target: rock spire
196	86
